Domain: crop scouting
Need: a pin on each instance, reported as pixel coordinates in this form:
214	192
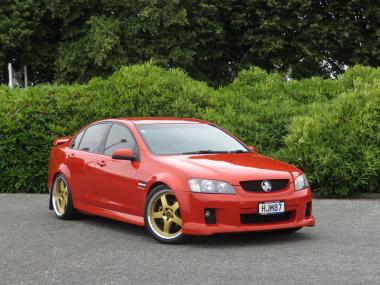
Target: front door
116	184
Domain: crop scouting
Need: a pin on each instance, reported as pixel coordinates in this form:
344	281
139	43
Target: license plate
269	208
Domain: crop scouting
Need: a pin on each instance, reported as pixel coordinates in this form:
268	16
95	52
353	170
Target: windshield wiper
238	151
205	151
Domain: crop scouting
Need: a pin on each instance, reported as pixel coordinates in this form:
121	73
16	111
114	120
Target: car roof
159	120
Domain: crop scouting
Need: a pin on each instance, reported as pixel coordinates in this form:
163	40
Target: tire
162	216
61	199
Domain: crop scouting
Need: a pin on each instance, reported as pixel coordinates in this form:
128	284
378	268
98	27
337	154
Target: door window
93	137
76	140
119	137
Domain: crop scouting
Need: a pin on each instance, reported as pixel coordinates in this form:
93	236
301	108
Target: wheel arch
61	169
154	185
177	185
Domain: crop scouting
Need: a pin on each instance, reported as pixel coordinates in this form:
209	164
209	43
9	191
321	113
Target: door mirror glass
124	154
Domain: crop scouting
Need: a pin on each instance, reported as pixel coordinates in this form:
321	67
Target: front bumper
229	210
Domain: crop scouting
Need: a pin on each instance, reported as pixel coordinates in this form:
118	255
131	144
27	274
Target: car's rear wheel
163	217
61	199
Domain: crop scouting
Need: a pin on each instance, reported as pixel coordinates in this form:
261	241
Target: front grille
255	185
265	219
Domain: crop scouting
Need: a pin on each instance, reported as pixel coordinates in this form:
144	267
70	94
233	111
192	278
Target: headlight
301	182
210	186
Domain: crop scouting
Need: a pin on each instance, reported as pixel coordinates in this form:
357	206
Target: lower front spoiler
203	229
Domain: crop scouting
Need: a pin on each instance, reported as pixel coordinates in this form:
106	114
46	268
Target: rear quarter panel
57	163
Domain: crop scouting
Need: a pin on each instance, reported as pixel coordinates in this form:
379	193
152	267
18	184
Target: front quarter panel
152	173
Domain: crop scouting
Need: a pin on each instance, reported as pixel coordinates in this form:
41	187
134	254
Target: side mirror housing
124	154
59	141
252	148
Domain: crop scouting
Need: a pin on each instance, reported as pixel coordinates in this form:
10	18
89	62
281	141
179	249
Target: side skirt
119	216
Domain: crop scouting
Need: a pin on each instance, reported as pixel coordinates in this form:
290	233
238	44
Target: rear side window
92	138
120	137
76	140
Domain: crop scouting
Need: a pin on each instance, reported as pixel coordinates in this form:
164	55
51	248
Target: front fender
174	182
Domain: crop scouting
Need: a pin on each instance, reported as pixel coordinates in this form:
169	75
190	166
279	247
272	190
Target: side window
76	140
93	137
120	137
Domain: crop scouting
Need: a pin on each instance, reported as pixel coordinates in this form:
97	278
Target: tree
72	41
28	35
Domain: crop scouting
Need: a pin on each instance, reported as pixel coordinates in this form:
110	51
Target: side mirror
252	148
124	154
59	141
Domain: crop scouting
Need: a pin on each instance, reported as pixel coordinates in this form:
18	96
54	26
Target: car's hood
232	167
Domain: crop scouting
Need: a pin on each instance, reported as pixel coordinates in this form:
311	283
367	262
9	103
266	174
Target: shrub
338	144
31	118
259	106
29	121
146	90
326	127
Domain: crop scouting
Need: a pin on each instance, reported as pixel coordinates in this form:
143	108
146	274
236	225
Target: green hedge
329	128
337	144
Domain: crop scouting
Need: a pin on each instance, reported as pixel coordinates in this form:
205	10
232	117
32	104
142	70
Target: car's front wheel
163	217
61	199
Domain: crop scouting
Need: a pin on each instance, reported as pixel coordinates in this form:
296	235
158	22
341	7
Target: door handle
71	155
102	163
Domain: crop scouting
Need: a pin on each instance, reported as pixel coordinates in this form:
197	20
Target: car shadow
250	238
214	241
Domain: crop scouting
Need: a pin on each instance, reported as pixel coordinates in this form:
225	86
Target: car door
116	184
82	159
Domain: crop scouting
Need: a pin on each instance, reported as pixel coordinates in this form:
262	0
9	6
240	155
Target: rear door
82	161
116	183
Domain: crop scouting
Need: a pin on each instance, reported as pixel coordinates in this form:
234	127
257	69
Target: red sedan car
176	177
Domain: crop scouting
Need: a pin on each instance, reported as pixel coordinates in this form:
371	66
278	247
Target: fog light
210	216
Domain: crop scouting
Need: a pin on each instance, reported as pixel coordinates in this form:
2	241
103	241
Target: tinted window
76	140
93	137
120	137
188	138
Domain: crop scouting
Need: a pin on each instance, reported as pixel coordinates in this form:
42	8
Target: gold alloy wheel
164	216
60	196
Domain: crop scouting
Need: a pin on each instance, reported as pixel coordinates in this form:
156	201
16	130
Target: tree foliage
72	41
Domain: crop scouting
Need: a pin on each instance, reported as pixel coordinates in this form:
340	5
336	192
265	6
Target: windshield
188	139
